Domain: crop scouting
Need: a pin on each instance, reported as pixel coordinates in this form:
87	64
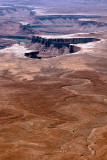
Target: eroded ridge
59	43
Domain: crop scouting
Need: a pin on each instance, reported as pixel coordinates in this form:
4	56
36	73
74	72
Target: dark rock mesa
59	43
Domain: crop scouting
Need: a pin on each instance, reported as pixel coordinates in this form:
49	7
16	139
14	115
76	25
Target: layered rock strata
59	43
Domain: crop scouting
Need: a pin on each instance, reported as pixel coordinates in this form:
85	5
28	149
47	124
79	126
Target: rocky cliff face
61	43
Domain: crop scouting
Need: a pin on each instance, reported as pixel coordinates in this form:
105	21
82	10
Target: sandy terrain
54	109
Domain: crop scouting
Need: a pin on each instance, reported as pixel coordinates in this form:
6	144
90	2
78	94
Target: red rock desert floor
52	108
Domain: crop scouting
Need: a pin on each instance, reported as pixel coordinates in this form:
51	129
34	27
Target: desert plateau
53	80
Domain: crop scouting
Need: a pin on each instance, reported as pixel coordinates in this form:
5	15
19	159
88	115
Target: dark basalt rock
33	55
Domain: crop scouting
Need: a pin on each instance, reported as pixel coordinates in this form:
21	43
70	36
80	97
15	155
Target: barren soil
53	108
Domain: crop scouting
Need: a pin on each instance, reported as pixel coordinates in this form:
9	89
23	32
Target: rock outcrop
60	42
33	55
